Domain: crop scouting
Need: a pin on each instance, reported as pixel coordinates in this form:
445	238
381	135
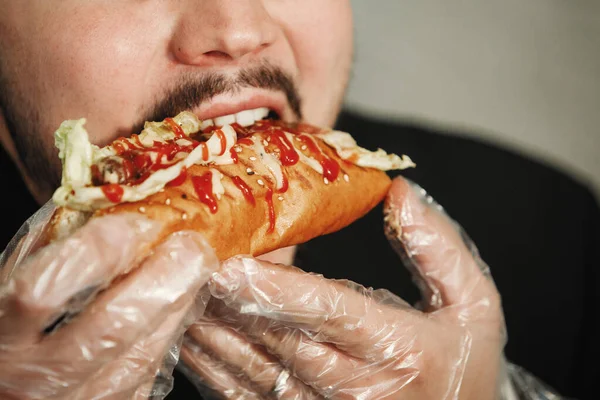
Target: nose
213	32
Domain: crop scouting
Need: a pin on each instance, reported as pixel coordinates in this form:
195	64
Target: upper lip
226	104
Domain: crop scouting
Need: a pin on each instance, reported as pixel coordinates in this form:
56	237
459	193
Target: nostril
217	54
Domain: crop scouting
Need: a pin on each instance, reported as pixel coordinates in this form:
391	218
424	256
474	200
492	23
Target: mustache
192	91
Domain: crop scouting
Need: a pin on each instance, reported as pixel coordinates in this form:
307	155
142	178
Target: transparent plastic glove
77	321
272	331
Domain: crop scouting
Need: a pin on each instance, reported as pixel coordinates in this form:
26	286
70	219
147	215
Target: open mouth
243	118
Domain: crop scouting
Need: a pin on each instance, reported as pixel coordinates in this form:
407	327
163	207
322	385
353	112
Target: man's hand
125	320
274	331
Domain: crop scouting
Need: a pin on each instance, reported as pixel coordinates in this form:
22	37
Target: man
121	63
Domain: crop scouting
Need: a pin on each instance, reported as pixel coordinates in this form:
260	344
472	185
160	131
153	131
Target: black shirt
537	228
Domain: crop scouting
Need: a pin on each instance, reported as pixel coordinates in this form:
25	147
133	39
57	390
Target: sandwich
248	189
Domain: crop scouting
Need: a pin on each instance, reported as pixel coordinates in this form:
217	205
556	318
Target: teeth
260	113
225	120
243	118
206	123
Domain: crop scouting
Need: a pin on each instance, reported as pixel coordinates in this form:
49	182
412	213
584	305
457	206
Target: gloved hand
277	332
77	322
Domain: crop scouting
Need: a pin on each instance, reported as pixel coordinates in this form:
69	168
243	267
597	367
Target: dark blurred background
524	74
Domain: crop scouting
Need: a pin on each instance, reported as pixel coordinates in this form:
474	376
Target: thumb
443	260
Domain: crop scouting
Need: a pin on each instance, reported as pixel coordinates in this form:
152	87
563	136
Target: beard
24	123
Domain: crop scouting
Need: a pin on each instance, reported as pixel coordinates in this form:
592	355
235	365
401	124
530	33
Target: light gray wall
523	73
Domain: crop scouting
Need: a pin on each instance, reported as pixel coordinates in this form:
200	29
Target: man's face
120	62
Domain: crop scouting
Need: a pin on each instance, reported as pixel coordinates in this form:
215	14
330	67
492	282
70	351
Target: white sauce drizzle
217	186
271	162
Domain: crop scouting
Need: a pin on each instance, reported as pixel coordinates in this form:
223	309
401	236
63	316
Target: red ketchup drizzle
240	130
246	141
210	129
175	128
204	190
113	192
245	189
331	169
204	151
261	126
129	169
285	185
269	199
137	140
180	178
223	140
142	161
169	150
288	155
120	146
234	155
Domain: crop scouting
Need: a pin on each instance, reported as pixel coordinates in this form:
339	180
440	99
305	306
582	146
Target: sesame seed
298	138
280	198
184	216
304	147
252	158
346	178
326	181
237	149
260	182
265	143
249	171
168	201
142	209
162	190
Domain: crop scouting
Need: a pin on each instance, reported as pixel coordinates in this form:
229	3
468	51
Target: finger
323	367
364	323
207	373
165	283
434	248
249	359
63	276
134	373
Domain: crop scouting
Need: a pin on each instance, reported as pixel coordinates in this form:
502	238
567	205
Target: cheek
95	68
320	34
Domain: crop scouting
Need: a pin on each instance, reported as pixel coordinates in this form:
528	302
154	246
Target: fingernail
404	205
231	278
